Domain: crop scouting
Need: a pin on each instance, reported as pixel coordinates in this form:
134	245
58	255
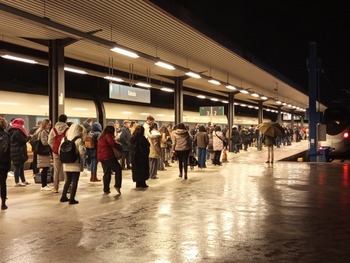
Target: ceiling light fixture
79	71
201	97
167	89
231	87
263	97
30	61
214	99
164	65
256	95
215	82
193	75
244	91
113	78
125	52
142	84
224	101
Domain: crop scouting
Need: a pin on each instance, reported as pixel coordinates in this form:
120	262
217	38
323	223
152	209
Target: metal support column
178	100
312	102
260	119
230	116
56	80
279	116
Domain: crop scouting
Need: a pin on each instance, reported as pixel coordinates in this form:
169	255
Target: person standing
5	160
32	140
235	139
124	140
182	144
44	161
73	169
96	129
269	142
146	125
18	150
201	140
55	137
154	155
109	162
139	152
165	139
218	144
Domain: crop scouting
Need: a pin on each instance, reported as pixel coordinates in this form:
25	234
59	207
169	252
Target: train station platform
243	211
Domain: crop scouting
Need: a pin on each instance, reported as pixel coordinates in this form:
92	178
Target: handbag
41	149
117	152
223	141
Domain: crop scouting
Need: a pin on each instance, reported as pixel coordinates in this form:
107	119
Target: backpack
68	151
90	141
57	140
4	145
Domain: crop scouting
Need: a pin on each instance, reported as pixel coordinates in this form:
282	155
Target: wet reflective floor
242	211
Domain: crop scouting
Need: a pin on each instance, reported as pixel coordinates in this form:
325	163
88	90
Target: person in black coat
5	161
139	151
18	149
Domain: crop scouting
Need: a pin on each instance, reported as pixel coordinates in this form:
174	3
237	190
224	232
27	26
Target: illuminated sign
123	92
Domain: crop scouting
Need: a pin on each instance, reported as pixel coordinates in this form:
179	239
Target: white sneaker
46	188
20	184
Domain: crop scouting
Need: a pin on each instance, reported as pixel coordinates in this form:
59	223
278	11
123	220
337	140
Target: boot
94	178
91	178
167	164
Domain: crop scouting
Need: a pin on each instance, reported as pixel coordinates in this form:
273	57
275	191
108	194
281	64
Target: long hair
44	124
139	130
107	130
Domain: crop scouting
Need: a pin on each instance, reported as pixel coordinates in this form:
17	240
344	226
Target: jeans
3	190
19	173
108	166
153	167
202	153
93	165
182	157
72	177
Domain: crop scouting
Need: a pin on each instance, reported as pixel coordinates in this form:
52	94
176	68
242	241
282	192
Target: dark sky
279	33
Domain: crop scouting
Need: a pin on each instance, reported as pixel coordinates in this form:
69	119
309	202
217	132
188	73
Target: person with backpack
75	137
44	160
109	162
91	149
55	137
18	149
32	140
5	160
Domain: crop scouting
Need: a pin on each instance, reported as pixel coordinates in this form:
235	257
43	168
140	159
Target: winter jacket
96	129
139	153
5	159
75	130
60	127
104	147
124	138
43	160
181	140
218	144
235	137
155	141
18	148
201	139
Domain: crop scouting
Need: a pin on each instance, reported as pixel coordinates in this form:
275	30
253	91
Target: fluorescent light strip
164	65
167	89
193	75
244	91
214	99
256	95
30	61
141	84
75	70
231	87
125	52
215	82
201	97
113	78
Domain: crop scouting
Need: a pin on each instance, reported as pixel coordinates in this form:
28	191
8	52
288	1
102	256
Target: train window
336	119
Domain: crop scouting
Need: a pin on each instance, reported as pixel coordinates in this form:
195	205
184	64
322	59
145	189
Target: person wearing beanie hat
18	149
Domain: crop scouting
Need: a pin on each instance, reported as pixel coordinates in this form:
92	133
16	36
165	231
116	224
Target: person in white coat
218	144
73	169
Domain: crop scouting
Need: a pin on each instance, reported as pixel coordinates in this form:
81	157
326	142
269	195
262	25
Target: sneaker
46	188
26	183
54	190
20	184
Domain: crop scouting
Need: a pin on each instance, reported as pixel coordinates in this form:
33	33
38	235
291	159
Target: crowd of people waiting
145	149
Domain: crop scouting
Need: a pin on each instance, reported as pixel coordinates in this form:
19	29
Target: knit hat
19	124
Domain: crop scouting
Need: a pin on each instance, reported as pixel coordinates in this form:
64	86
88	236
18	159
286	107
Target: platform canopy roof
154	34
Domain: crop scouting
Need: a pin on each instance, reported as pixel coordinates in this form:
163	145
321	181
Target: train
337	122
34	107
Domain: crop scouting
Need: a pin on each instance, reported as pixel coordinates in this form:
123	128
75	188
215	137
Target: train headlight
346	135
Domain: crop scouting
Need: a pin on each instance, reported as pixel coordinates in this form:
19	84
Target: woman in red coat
109	162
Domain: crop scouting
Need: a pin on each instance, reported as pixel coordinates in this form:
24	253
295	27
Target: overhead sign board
211	111
123	92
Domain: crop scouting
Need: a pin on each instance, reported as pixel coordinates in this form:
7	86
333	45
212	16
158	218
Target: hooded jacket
60	128
18	143
181	140
76	130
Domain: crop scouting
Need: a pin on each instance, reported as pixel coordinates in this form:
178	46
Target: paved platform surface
242	211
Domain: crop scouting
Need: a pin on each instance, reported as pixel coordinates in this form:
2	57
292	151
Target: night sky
279	32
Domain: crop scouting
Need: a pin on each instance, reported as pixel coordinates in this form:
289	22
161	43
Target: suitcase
37	177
